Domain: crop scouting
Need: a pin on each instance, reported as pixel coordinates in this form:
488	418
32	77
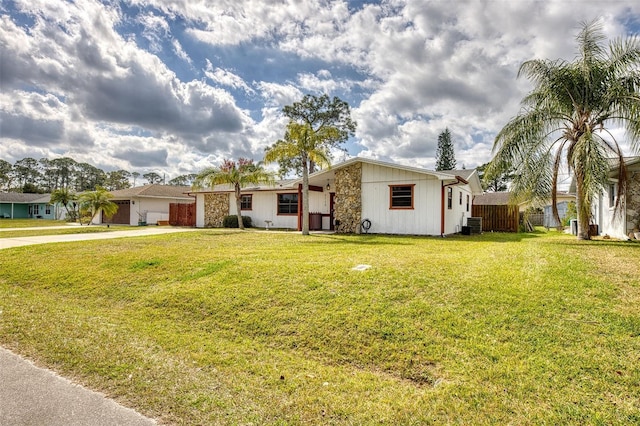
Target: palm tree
301	143
97	201
567	119
239	175
65	197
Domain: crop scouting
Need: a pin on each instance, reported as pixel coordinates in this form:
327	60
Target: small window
287	203
401	196
612	195
47	209
246	201
36	209
460	197
449	198
467	202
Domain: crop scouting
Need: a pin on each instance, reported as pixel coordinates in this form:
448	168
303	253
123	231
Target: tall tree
566	118
445	157
183	180
135	175
27	171
497	182
152	177
305	146
98	201
238	175
5	175
316	123
117	179
88	177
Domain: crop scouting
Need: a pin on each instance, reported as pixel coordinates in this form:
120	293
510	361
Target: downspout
458	181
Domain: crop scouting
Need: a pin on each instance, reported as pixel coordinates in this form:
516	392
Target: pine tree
445	158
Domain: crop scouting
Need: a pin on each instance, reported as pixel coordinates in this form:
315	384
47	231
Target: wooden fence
504	218
182	214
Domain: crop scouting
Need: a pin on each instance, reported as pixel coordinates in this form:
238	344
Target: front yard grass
229	327
28	223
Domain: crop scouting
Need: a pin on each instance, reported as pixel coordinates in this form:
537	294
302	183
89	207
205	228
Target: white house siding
423	219
604	215
265	207
456	217
151	210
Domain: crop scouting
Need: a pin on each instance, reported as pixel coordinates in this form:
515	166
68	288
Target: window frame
242	202
468	202
612	194
279	204
449	198
411	187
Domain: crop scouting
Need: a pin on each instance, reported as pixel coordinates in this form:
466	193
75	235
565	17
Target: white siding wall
265	207
456	217
423	219
608	222
152	209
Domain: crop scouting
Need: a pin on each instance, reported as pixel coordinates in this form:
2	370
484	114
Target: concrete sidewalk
30	395
43	239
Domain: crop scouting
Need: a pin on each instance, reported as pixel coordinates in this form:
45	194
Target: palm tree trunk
582	207
305	197
239	206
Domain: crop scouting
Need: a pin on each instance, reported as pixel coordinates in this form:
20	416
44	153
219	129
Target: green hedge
232	221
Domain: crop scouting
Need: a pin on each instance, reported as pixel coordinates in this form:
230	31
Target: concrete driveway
30	395
137	232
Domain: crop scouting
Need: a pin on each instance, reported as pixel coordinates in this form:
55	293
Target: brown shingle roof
492	199
18	197
153	191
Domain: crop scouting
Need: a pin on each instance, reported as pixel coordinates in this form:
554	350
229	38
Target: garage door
122	216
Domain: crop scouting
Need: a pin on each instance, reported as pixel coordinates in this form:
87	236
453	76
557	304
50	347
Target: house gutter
459	180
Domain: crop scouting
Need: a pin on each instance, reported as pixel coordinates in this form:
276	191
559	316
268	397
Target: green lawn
228	327
28	223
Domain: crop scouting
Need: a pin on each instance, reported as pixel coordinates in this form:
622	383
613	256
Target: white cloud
226	78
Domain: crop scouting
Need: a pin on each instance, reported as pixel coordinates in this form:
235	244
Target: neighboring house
390	198
562	202
146	204
603	208
14	205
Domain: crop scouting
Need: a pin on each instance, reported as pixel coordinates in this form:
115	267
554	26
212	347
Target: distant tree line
45	176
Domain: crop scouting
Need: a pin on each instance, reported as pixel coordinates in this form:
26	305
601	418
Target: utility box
475	223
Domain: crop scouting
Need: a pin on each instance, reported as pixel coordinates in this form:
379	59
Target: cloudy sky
173	86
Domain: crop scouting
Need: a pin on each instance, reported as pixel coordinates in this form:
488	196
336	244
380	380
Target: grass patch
62	231
224	327
29	223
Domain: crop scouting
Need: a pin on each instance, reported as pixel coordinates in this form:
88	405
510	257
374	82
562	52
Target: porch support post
299	207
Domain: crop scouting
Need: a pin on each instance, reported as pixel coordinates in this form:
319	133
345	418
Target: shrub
232	221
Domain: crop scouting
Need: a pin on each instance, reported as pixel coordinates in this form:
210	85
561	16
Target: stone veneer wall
216	207
348	199
633	201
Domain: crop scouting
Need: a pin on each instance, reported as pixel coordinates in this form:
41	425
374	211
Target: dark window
401	196
467	202
287	203
47	209
612	195
246	202
449	198
460	197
